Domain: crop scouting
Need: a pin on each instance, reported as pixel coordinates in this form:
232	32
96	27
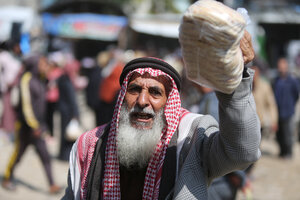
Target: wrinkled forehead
163	79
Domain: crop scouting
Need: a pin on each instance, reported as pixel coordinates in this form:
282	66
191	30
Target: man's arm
237	145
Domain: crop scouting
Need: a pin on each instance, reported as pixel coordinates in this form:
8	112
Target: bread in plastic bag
209	35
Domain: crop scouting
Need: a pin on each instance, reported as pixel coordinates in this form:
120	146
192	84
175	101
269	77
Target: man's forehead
162	79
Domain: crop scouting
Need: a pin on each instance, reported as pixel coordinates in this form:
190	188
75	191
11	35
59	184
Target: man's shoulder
88	139
94	133
194	120
186	122
190	117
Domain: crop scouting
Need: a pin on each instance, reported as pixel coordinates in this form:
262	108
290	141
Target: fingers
247	48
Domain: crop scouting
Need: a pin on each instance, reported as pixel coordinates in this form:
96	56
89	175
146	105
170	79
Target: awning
159	25
84	25
277	16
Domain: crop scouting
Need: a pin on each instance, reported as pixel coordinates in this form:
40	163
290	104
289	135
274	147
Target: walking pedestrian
286	89
31	117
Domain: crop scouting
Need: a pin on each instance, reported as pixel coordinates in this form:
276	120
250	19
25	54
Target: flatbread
209	35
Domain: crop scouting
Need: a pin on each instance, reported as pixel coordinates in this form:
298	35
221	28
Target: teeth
141	115
144	116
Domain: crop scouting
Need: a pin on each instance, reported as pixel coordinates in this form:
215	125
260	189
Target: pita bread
209	35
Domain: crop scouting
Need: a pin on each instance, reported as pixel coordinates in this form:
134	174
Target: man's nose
143	100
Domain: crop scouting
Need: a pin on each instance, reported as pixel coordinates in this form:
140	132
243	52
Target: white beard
136	146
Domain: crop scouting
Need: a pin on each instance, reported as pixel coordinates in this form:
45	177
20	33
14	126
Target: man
31	118
286	90
155	149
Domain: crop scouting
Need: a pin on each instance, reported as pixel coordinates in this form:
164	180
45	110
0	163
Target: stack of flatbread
209	35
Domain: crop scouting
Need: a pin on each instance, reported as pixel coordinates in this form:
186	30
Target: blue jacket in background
286	92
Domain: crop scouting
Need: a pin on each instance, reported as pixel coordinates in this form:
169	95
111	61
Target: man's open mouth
139	116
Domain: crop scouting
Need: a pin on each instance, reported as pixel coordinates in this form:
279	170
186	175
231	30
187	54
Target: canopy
165	25
277	16
84	25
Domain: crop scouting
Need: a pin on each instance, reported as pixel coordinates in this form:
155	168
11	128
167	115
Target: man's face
43	66
282	66
146	94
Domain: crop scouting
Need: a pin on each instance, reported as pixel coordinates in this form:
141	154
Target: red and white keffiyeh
173	111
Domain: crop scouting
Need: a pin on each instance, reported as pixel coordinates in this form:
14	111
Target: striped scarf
111	182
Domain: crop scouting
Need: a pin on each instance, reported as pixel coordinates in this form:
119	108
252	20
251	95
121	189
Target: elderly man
155	149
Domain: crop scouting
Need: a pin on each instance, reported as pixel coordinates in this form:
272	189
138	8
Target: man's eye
134	89
154	92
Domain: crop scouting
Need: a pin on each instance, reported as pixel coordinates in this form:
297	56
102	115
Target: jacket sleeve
236	144
27	109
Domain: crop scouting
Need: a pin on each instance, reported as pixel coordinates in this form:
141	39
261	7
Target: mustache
136	110
142	110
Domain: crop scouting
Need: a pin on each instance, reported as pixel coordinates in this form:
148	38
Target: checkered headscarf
173	111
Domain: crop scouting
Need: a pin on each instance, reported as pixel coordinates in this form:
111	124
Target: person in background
265	101
208	104
286	90
31	119
109	87
94	76
68	109
10	71
52	94
73	68
65	83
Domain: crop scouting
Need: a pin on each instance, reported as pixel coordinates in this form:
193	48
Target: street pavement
275	178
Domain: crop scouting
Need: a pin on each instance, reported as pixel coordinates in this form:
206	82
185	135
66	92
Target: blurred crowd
33	87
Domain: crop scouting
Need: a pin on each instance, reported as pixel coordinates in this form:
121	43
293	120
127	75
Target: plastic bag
209	35
73	130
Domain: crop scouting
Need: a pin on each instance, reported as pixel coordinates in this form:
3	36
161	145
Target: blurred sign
84	25
10	15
